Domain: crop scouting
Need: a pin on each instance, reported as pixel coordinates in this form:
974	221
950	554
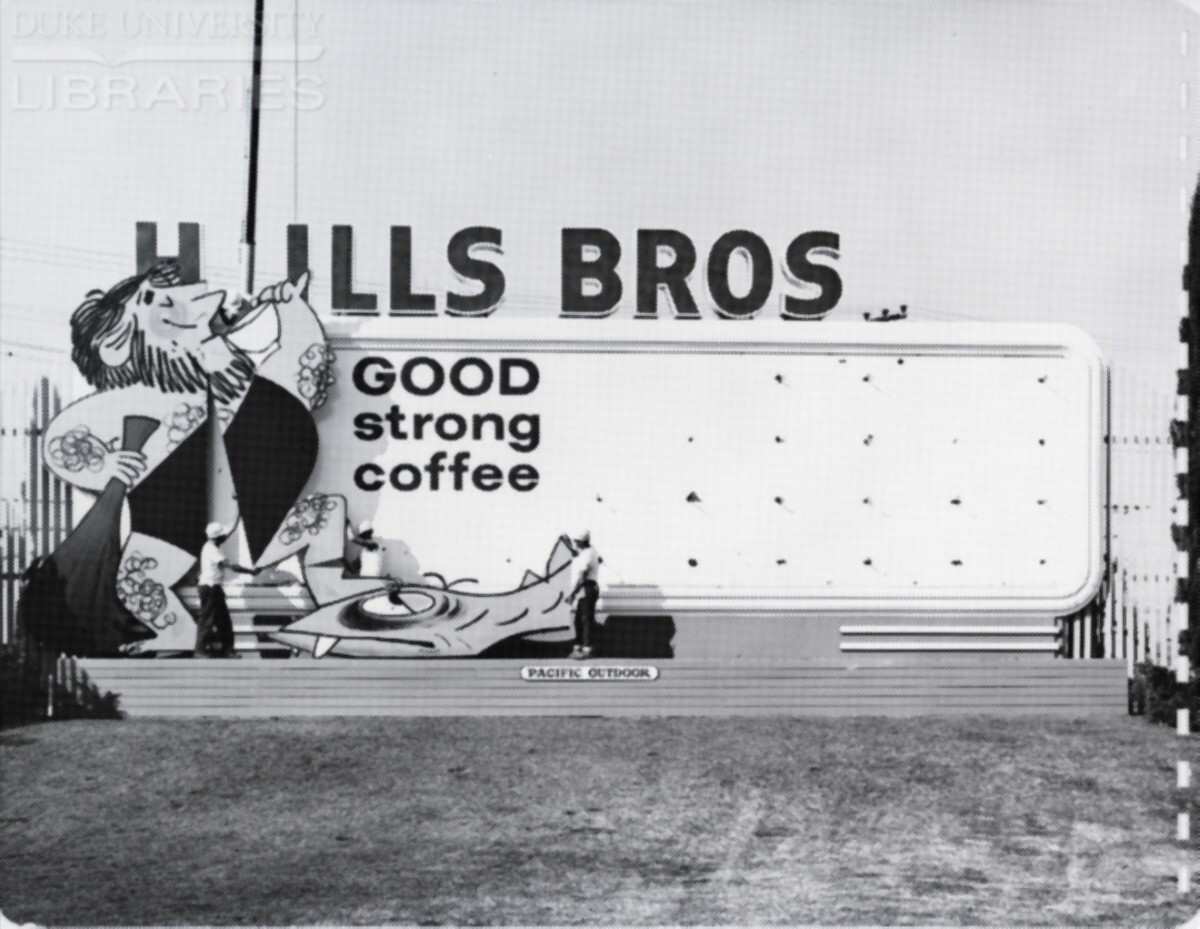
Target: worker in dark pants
584	592
214	628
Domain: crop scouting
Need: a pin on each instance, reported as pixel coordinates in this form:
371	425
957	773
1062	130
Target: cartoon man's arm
287	343
83	446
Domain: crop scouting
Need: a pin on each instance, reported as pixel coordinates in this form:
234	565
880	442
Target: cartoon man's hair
102	313
92	322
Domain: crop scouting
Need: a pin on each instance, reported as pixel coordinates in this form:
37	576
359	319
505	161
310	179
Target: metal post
1189	387
248	228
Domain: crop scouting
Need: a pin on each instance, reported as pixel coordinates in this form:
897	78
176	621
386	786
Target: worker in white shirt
214	629
370	556
584	591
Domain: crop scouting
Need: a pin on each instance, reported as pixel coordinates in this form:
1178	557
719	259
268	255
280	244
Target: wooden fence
36	508
1136	618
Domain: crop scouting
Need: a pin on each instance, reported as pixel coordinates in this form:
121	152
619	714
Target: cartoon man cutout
154	345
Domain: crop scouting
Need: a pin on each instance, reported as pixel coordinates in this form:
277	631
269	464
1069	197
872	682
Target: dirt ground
597	821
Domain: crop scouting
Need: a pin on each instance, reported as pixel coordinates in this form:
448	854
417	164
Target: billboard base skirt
894	685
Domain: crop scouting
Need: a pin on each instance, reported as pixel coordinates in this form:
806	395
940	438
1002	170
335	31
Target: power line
58	350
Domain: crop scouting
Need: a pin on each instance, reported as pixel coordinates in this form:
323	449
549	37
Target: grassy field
531	821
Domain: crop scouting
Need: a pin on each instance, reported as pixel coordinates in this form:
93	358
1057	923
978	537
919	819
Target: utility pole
220	478
255	106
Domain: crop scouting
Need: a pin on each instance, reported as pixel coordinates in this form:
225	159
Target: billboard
650	292
736	467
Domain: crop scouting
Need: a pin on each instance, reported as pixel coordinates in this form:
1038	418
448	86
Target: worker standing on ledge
584	591
214	630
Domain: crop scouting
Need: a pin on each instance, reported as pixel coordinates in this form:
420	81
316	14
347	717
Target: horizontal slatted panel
305	687
933	629
292	599
950	645
1002	667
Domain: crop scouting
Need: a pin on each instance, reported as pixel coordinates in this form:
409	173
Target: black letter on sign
468	268
485	377
189	250
404	301
374	376
509	387
674	276
728	305
575	270
297	253
368	426
803	271
437	378
345	301
368	476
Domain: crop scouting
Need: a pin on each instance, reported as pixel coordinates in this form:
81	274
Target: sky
1004	162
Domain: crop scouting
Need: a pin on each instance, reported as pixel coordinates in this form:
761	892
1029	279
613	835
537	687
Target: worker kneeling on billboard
372	555
367	559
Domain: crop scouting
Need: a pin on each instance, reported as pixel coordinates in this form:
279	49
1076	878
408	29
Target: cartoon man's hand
125	465
285	291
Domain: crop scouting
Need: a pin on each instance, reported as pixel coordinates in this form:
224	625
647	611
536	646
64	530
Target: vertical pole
1187	467
251	220
8	585
1170	646
1135	626
1107	613
33	476
1187	443
1189	386
1126	629
56	485
43	428
1118	621
217	470
22	563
